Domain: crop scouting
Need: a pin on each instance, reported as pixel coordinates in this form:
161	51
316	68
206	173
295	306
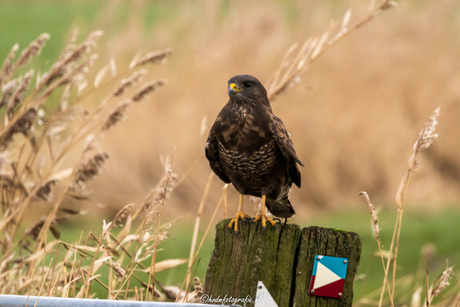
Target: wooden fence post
282	258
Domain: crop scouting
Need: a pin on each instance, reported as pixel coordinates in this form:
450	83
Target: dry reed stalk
104	244
188	172
19	94
294	64
169	175
7	91
438	285
56	76
176	294
184	283
197	222
147	89
28	174
152	57
69	57
111	119
427	252
32	50
112	66
23	120
92	168
379	244
129	82
7	67
425	139
150	206
143	92
116	220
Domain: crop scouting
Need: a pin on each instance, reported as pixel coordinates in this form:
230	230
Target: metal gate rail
43	301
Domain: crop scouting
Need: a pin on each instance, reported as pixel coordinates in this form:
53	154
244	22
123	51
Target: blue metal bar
42	301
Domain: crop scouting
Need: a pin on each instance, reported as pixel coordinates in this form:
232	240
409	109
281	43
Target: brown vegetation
351	115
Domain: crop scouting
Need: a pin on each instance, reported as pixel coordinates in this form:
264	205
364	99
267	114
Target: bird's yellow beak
234	88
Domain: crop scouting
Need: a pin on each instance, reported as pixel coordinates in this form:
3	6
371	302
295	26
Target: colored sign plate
328	277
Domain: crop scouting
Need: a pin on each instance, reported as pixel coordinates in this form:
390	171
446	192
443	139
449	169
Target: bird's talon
234	221
264	219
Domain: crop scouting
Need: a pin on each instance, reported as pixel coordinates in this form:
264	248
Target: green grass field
421	230
418	229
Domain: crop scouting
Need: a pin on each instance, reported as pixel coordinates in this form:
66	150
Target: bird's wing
284	142
212	154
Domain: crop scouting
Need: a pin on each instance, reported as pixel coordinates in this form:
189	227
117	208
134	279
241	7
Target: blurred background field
353	115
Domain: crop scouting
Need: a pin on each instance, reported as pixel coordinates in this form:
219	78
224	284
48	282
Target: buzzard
249	146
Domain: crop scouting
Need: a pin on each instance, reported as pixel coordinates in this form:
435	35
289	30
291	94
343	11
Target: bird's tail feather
280	207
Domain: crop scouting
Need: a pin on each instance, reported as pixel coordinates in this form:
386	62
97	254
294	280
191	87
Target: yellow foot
238	215
261	216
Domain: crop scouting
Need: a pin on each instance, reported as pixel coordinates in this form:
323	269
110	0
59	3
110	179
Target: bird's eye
247	84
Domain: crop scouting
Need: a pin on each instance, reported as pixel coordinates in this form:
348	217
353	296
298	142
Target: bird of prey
249	146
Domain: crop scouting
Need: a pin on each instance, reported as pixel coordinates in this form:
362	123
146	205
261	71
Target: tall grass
389	257
50	149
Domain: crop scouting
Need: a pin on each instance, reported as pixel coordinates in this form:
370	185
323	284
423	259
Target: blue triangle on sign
336	265
328	276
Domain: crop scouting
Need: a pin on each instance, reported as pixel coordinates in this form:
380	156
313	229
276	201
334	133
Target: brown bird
249	146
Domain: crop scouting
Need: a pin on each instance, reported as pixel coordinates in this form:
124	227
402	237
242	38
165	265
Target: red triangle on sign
330	290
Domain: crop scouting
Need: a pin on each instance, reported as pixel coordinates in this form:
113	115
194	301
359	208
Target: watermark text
227	300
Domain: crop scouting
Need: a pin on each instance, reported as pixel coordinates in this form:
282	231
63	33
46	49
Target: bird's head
247	89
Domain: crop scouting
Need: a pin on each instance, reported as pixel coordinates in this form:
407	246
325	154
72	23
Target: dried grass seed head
59	122
161	237
65	65
119	216
150	218
374	217
7	67
129	82
85	47
147	89
75	74
427	134
117	115
91	168
22	125
7	91
161	192
198	286
34	49
152	57
173	293
44	192
19	95
70	45
443	281
116	266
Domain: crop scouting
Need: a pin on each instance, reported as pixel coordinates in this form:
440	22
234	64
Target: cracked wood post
281	258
